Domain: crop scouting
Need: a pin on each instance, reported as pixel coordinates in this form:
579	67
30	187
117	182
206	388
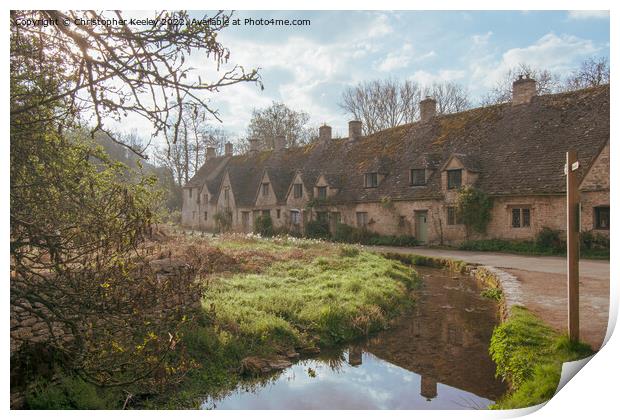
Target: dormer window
418	177
371	180
297	190
265	188
321	193
454	178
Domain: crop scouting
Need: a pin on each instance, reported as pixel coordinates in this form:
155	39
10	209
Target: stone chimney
428	109
228	149
523	90
279	143
253	145
210	152
355	130
325	133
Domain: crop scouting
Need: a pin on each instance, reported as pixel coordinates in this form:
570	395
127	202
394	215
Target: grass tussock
529	356
325	301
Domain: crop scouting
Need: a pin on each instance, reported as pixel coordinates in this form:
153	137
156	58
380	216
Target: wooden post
572	244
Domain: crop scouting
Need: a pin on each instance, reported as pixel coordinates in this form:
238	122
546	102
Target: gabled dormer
265	196
226	198
297	194
325	187
459	170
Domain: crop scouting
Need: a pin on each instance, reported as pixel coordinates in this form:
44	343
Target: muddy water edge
433	357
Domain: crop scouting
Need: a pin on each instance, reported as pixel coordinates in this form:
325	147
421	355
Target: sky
308	67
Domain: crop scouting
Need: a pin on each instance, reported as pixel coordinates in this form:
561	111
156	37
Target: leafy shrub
350	234
223	220
549	240
263	225
475	208
317	229
594	241
71	393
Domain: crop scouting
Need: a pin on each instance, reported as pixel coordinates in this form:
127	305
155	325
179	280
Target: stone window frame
298	190
363	215
450	184
277	213
319	189
371	180
295	217
265	189
453	216
524	219
190	192
411	177
597	217
206	215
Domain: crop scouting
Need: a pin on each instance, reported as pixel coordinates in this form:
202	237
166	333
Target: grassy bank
264	298
529	356
302	295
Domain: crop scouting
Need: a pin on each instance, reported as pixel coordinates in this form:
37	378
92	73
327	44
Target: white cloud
396	59
481	39
401	58
588	14
380	27
556	53
426	78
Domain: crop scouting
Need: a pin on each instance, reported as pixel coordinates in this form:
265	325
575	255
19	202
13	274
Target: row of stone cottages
405	180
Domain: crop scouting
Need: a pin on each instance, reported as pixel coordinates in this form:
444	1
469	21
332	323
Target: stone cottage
406	180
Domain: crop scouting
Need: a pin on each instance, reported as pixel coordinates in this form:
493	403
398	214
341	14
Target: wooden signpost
572	243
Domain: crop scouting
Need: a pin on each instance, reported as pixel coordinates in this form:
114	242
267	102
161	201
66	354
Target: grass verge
529	356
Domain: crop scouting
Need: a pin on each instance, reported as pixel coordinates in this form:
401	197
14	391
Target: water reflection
434	358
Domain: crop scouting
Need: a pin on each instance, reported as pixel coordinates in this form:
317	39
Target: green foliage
263	225
549	239
72	393
457	266
474	207
349	251
548	242
493	293
223	220
317	229
529	355
334	299
350	234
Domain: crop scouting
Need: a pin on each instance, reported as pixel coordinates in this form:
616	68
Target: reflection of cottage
406	180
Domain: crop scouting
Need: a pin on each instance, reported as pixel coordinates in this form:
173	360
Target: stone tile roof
516	150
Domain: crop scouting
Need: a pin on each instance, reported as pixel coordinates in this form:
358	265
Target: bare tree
546	83
451	97
381	104
184	157
111	70
594	71
280	120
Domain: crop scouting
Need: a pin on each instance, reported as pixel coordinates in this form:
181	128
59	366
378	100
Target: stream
435	357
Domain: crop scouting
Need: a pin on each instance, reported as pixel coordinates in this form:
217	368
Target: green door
421	226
